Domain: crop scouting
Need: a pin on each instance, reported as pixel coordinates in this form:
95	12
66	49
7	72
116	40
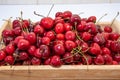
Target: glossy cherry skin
2	55
55	61
10	49
51	35
35	61
39	30
9	60
23	44
70	35
60	36
69	45
31	50
91	19
86	36
108	29
47	22
59	28
46	40
23	56
99	60
59	49
67	57
67	27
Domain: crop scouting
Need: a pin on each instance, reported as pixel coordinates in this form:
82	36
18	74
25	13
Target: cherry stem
38	14
114	19
101	18
50	10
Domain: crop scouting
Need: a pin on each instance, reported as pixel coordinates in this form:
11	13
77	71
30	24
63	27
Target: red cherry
55	61
47	22
86	36
105	50
46	40
84	46
81	26
23	44
47	61
17	39
91	19
108	59
23	55
31	37
7	33
8	40
9	60
107	29
67	27
75	19
69	45
68	58
60	36
37	53
39	29
95	49
44	51
58	20
59	28
114	36
10	49
77	57
88	58
115	63
17	31
35	61
59	14
59	49
51	35
16	23
2	55
31	50
67	14
99	60
70	35
117	57
25	23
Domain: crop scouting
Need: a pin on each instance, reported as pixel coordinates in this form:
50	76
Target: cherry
51	35
88	58
117	57
69	45
17	31
95	49
39	29
99	39
35	61
26	62
9	60
46	40
115	46
106	50
25	23
67	14
47	22
86	36
37	53
84	46
17	39
44	51
75	19
108	43
59	28
114	36
108	59
77	57
107	29
59	49
67	57
81	26
59	14
60	36
2	55
67	27
99	60
115	63
70	35
55	61
91	19
7	33
16	23
10	49
23	56
31	37
91	27
23	44
39	41
8	40
47	61
31	50
58	20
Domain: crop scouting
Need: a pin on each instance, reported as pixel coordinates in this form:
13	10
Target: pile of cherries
66	40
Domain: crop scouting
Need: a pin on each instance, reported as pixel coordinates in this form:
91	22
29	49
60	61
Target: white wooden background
56	1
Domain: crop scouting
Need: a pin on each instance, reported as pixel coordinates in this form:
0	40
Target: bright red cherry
51	35
60	36
91	19
46	40
47	22
68	58
67	14
108	29
23	55
59	49
99	60
67	27
2	55
35	61
69	45
10	49
31	50
9	60
86	36
59	28
55	61
39	29
70	35
23	44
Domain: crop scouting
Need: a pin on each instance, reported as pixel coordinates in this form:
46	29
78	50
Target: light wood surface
65	72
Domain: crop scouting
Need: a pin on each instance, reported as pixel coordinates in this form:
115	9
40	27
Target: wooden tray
65	72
